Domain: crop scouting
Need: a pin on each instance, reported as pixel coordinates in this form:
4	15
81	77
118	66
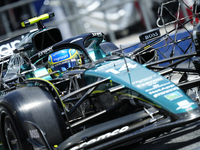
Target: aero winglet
36	136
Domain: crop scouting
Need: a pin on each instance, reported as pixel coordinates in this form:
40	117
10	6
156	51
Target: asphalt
183	138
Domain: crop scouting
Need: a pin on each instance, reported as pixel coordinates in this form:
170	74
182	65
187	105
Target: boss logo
144	37
152	35
34	134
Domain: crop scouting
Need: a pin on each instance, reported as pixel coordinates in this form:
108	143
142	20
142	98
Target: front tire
33	104
11	136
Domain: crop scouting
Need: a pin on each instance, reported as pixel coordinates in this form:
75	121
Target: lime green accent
49	70
56	74
35	79
98	91
23	24
115	97
36	19
55	146
50	62
111	84
138	98
147	46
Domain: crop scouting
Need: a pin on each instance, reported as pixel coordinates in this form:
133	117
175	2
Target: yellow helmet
63	59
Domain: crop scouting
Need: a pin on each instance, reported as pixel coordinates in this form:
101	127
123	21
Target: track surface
183	138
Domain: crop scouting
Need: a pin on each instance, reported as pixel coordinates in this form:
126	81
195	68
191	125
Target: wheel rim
10	134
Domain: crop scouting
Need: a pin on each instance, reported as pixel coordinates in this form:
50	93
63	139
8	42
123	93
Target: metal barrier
4	18
71	16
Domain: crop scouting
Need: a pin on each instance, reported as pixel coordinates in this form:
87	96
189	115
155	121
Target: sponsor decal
184	105
152	35
130	66
101	137
60	58
99	34
57	53
7	47
149	35
112	71
157	86
143	80
173	95
165	92
45	52
34	134
162	89
150	82
64	62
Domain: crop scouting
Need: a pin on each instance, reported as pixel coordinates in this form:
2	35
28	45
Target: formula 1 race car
86	93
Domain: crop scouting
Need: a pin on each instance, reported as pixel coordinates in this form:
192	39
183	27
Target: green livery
154	87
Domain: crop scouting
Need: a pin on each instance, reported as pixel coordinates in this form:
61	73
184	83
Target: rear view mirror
46	38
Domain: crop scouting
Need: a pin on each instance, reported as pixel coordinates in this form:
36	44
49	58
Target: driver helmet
63	59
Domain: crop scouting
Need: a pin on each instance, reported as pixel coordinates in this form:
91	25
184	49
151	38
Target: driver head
63	59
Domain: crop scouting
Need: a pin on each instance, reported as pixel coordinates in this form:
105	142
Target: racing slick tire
33	104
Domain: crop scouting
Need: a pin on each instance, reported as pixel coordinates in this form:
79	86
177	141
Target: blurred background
115	18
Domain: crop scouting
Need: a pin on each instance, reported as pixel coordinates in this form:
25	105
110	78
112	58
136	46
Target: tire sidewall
5	112
37	105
